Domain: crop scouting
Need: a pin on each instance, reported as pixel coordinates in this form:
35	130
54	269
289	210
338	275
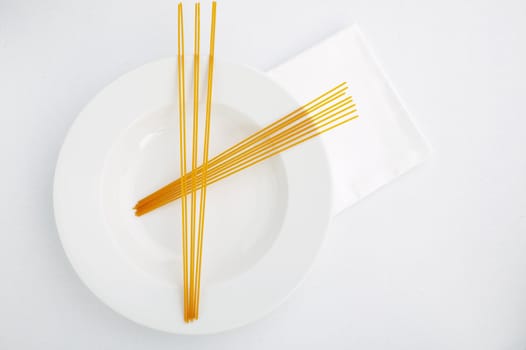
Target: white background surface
436	260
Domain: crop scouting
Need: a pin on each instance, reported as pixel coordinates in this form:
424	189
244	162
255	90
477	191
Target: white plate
264	225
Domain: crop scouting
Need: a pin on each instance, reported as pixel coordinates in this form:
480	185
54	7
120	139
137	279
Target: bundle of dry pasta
320	115
192	240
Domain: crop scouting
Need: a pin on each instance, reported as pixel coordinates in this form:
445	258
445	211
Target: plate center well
244	212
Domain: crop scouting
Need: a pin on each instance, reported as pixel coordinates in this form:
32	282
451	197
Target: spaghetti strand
205	154
182	151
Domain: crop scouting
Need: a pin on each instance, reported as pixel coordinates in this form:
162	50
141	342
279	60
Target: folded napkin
382	143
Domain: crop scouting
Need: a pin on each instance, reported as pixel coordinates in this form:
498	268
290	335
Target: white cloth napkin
382	143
